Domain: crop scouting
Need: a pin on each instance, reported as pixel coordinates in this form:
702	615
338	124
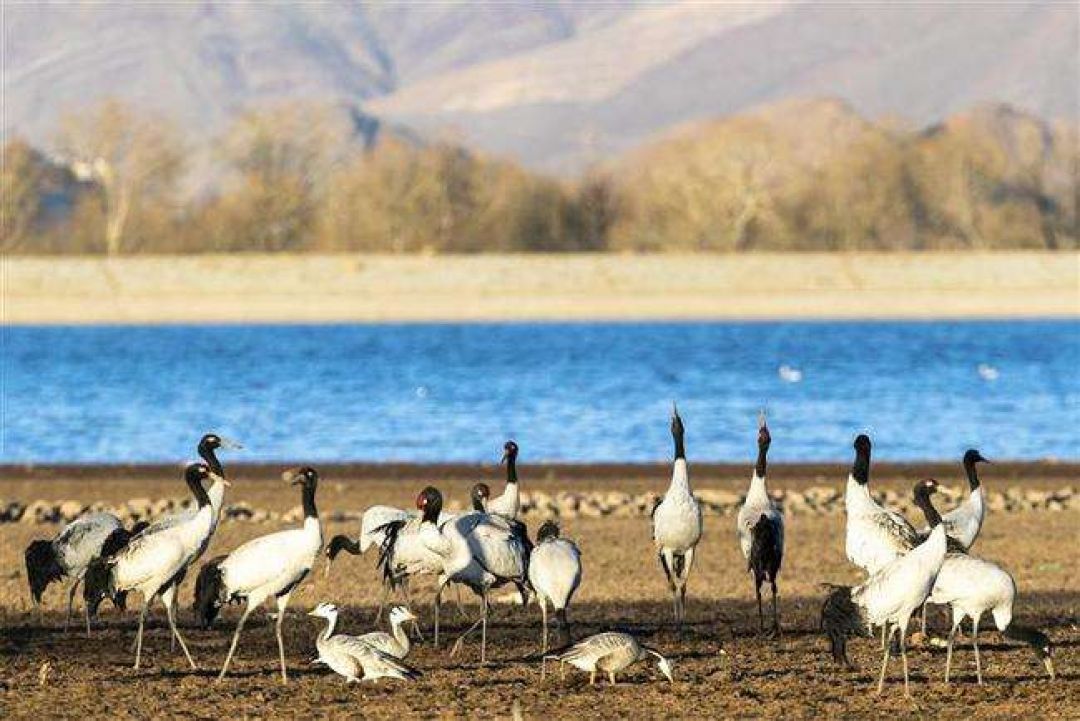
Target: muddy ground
623	587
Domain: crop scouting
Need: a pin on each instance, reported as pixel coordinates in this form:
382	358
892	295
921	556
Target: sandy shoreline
350	288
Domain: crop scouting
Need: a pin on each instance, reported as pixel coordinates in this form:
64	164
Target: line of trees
302	179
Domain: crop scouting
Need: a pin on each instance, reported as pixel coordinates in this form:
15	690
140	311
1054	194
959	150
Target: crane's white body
757	504
478	550
677	519
153	559
555	574
965	521
875	536
508	504
352	657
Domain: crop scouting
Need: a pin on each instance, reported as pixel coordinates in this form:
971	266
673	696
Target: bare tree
135	159
20	198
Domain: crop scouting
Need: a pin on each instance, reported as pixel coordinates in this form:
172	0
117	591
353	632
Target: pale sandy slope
551	287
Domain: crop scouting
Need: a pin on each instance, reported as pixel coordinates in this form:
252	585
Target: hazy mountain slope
921	62
556	84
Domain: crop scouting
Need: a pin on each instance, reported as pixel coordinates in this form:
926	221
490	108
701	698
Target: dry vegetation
623	586
808	175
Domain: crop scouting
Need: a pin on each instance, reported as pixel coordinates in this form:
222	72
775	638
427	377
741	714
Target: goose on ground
396	643
609	652
760	527
508	505
352	657
151	561
477	549
676	521
965	521
972	586
270	566
554	574
888	598
875	536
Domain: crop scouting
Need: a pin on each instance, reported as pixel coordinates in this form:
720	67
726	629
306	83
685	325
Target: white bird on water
352	657
554	573
151	561
888	598
971	587
609	652
270	566
760	528
676	520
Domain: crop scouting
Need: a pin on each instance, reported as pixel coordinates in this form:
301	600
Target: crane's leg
543	620
282	604
592	677
688	563
235	639
975	642
775	608
71	603
884	661
760	614
460	606
948	652
438	602
483	629
903	658
86	614
923	627
611	677
170	610
169	599
667	562
408	602
382	602
138	637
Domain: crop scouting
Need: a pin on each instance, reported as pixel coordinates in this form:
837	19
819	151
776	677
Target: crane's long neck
307	496
511	469
860	469
922	500
399	635
196	487
680	477
757	482
972	474
208	454
331	622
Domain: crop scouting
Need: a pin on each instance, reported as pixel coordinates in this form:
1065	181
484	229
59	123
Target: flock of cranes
488	547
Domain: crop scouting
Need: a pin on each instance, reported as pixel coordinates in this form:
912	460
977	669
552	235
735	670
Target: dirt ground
623	587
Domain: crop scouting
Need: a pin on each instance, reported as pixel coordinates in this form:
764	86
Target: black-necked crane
609	652
875	535
888	598
70	552
478	550
151	561
964	522
352	657
760	528
508	505
554	574
676	522
266	567
971	587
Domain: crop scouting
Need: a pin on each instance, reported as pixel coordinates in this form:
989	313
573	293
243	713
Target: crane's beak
291	476
230	444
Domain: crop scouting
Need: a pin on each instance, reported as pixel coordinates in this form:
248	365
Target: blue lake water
566	392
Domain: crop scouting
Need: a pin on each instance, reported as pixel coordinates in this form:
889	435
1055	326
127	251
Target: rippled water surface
573	392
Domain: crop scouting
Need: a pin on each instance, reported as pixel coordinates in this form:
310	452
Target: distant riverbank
352	288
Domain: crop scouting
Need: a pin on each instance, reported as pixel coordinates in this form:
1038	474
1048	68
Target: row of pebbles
818	500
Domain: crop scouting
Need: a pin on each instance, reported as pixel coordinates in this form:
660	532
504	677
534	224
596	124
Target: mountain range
556	85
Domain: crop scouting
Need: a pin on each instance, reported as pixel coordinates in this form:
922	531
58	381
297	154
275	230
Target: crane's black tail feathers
385	563
840	618
520	532
766	555
42	567
209	592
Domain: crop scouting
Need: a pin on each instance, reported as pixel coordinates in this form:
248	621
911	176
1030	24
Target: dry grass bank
260	288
